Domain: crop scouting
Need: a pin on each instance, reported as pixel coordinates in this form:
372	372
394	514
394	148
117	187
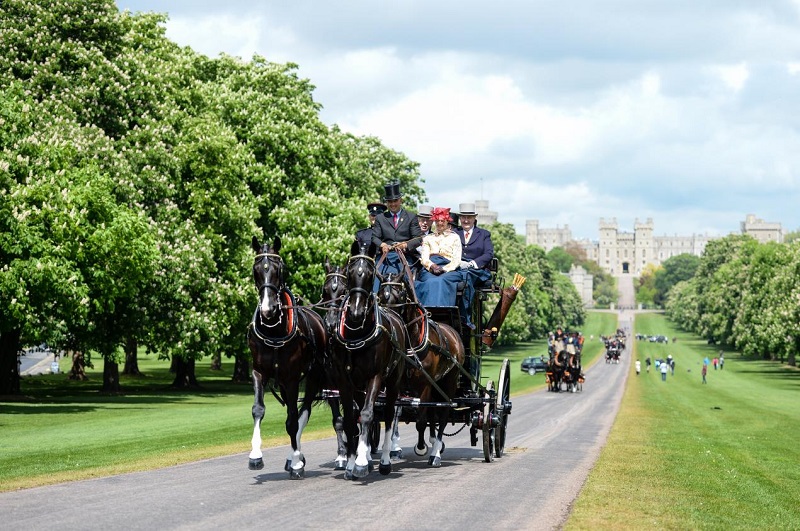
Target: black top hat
392	191
375	209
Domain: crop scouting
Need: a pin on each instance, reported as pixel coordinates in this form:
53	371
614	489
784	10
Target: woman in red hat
440	255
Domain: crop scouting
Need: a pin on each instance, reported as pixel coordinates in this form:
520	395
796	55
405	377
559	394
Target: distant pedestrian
703	372
721	361
664	369
715	362
638	367
672	366
647	363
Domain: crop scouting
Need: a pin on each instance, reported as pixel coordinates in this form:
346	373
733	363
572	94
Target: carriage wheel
503	398
488	432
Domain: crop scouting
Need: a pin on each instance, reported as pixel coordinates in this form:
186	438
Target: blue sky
687	112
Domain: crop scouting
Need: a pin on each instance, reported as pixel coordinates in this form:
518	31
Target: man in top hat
477	251
424	219
396	230
374	210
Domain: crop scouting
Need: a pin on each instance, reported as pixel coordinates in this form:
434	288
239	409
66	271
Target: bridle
357	290
271	259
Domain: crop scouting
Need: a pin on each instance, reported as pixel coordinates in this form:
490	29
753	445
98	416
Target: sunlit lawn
683	455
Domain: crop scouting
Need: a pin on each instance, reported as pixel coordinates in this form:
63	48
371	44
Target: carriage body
478	402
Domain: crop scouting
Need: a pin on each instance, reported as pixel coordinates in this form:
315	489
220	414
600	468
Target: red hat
440	214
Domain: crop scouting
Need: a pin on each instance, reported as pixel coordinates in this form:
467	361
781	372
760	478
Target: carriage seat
490	286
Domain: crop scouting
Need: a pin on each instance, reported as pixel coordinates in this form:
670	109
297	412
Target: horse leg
391	414
256	457
397	450
338	426
350	431
295	423
363	462
421	448
435	459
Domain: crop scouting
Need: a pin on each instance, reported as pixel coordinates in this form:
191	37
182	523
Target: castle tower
532	232
608	248
644	247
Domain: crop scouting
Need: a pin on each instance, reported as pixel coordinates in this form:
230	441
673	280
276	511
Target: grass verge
684	455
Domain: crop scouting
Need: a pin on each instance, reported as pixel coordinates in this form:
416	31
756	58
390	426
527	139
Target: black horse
369	356
288	343
334	290
435	353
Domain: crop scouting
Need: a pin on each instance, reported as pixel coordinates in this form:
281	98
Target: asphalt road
552	443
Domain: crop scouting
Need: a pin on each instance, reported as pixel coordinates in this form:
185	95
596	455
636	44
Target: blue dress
437	290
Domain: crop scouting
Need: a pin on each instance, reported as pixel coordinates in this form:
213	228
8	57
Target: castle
629	253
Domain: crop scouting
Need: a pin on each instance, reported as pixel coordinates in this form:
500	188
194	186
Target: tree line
744	294
134	173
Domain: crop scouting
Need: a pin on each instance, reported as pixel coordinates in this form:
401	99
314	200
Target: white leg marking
255	442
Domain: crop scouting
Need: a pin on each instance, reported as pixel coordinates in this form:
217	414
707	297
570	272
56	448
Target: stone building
546	238
584	283
485	216
761	230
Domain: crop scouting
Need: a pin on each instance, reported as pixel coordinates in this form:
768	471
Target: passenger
424	219
396	230
477	252
373	210
440	255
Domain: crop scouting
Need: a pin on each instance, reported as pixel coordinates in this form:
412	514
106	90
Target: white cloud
734	76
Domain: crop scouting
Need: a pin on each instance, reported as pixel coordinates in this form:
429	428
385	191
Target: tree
674	269
560	259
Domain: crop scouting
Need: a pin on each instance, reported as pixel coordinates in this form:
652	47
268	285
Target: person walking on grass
638	367
664	369
721	360
704	371
647	363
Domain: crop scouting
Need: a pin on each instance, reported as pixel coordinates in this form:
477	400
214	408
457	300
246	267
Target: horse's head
393	292
334	290
360	275
268	274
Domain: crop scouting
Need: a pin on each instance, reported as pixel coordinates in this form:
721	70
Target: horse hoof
348	474
300	473
421	451
435	462
396	454
385	470
256	464
360	471
340	464
288	466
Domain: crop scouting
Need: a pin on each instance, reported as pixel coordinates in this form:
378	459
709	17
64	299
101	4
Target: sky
565	111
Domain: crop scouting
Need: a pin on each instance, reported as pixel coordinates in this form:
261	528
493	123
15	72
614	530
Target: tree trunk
78	371
241	369
131	358
111	376
184	373
9	363
216	362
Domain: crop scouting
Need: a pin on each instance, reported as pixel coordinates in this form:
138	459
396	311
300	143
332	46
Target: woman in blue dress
440	256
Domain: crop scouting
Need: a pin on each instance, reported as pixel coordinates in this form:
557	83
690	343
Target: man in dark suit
374	210
396	230
476	253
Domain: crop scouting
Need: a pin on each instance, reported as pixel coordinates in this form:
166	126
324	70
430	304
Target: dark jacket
383	231
480	247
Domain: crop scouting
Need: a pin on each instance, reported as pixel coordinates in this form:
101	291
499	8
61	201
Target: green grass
62	430
683	455
65	430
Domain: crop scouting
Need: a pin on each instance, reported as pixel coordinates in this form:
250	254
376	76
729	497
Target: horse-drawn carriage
614	347
564	371
376	358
